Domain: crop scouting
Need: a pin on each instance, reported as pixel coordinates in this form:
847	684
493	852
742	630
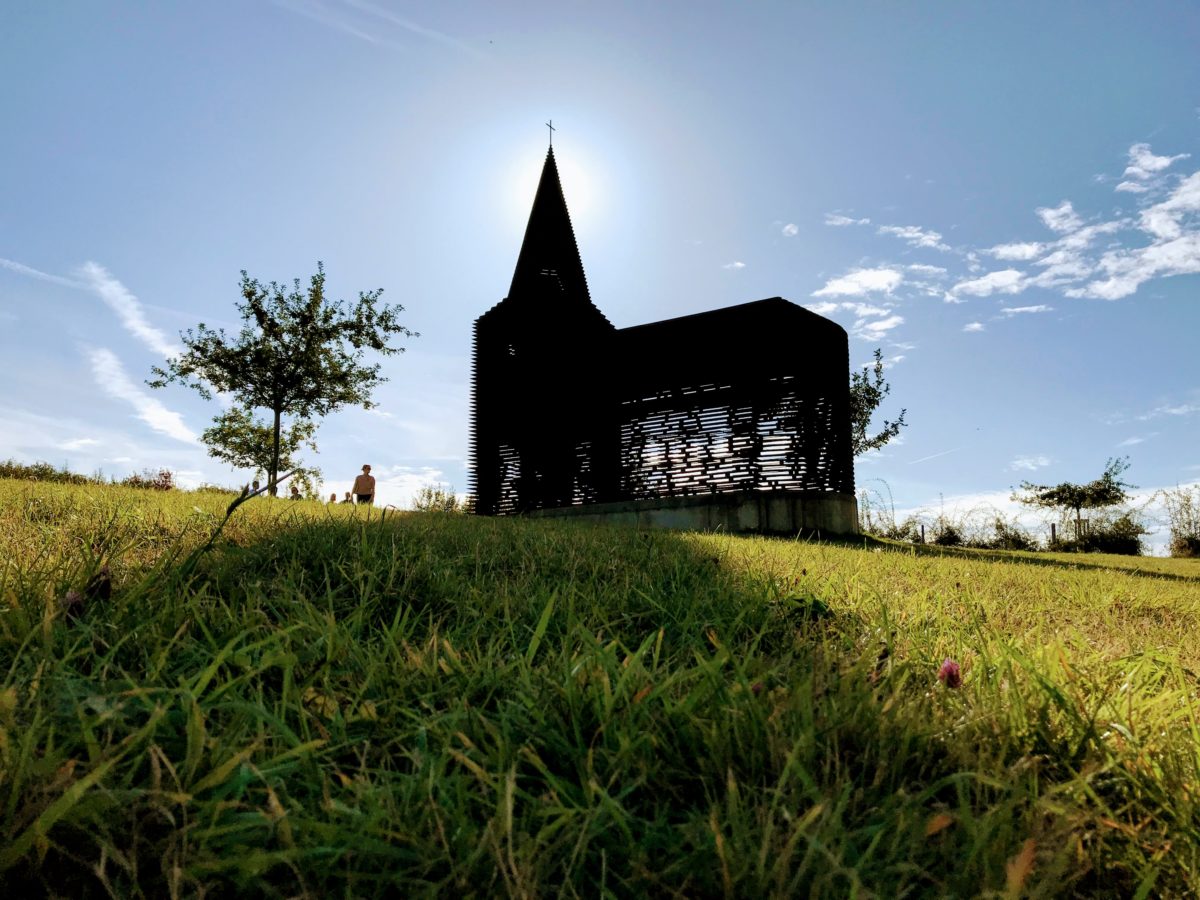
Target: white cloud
1132	442
973	326
841	221
861	282
1029	463
127	308
111	376
914	236
930	271
877	328
1180	409
1019	310
1143	164
862	310
790	230
735	265
1131	187
1061	218
1005	281
865	310
78	444
1129	269
1165	220
1017	251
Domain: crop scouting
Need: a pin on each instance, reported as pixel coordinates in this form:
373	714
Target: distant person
333	497
295	493
348	499
254	487
364	487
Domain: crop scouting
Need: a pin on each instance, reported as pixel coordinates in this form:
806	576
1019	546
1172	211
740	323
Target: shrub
1183	513
207	488
947	535
43	471
162	480
1010	536
436	498
909	530
1121	535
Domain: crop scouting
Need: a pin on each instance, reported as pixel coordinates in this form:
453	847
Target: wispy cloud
1106	258
1029	463
1143	164
95	279
1134	441
1011	311
790	230
1061	218
1005	281
877	328
112	377
914	236
1017	252
928	271
21	269
361	19
1178	409
78	444
840	221
736	264
128	309
861	282
913	462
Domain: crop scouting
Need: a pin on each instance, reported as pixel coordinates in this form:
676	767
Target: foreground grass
330	705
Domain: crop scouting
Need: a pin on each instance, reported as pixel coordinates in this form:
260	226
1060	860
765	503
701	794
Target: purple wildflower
950	674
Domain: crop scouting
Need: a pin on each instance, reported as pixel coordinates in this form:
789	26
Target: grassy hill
330	704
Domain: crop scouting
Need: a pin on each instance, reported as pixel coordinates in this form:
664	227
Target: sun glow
578	184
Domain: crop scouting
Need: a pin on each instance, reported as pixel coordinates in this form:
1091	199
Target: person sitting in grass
295	493
348	499
333	497
364	487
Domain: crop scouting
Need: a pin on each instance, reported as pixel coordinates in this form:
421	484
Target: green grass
331	705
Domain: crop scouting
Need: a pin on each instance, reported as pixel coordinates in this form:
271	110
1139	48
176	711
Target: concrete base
755	512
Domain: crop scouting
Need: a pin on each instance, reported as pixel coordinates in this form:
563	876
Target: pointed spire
549	264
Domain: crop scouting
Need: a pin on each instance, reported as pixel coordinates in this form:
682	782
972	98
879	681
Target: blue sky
1004	197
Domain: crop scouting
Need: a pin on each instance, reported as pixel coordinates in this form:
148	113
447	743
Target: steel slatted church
736	418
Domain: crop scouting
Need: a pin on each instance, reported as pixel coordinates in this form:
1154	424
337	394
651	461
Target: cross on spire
550	125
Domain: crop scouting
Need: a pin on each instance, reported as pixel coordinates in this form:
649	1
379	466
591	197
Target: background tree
868	387
298	354
1107	490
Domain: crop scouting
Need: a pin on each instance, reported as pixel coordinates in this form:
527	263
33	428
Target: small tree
298	355
1107	490
868	387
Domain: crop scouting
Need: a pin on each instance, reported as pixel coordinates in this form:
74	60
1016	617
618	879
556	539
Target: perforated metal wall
567	410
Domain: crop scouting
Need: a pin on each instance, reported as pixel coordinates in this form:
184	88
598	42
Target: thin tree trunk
271	476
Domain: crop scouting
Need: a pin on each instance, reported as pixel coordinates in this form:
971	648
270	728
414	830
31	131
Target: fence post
1053	534
922	533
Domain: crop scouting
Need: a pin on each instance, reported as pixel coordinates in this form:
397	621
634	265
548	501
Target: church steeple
549	265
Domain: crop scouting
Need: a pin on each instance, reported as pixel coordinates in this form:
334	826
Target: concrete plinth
743	512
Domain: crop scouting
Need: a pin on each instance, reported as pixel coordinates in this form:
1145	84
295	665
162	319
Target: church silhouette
568	410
